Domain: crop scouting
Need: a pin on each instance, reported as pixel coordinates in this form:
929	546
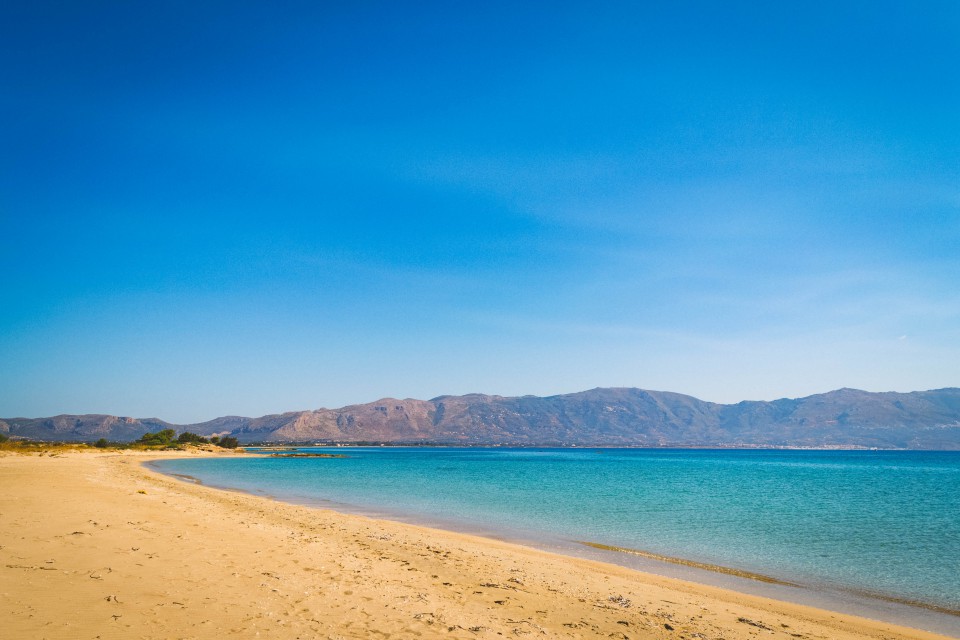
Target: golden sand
94	545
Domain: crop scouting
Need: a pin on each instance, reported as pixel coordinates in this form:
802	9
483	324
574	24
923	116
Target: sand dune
93	545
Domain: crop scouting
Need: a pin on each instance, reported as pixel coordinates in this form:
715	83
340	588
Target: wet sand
94	545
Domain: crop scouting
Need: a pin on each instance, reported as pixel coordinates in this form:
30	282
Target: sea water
881	523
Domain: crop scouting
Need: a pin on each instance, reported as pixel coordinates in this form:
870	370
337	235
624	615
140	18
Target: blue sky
245	208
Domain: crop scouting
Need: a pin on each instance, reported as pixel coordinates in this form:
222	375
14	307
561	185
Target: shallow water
883	523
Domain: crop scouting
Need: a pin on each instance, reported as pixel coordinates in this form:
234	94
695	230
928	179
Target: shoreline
828	597
95	543
757	577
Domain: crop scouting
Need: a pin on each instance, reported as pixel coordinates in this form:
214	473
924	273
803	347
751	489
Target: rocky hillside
611	417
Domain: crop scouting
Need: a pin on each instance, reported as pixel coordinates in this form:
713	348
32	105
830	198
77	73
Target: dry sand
93	545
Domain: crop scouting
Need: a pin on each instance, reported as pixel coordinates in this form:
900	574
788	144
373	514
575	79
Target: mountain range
845	418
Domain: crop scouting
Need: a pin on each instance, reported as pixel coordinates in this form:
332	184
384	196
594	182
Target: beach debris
494	585
141	491
385	536
34	567
668	626
428	620
620	601
96	574
754	623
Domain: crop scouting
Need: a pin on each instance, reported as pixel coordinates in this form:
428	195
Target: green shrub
101	443
193	438
161	438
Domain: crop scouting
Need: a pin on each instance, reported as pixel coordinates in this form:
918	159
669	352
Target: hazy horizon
223	209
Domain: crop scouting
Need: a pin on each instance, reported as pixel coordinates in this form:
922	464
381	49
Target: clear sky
212	208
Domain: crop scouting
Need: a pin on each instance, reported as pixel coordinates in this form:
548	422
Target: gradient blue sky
213	208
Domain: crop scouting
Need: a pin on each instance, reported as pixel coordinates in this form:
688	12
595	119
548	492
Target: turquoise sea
881	525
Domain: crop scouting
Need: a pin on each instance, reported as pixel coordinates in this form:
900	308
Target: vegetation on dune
163	438
155	441
16	445
227	442
188	437
168	438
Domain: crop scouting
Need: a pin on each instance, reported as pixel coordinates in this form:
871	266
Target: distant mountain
599	417
85	427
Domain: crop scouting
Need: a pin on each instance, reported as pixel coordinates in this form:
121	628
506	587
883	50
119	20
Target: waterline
877	525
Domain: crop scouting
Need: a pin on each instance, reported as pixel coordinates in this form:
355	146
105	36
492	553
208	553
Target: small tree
101	443
186	437
229	442
161	438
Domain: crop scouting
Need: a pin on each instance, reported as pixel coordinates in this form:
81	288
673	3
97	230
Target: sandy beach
94	545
